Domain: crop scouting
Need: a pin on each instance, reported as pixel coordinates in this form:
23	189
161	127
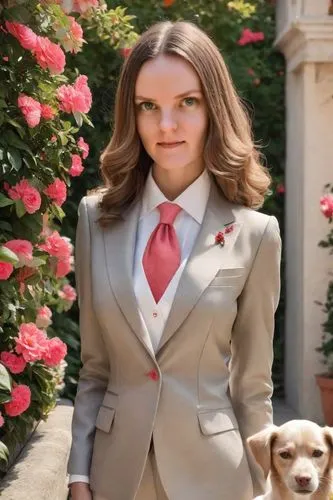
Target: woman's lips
170	145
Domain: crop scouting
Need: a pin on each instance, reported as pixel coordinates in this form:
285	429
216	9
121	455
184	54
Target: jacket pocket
231	271
105	418
217	421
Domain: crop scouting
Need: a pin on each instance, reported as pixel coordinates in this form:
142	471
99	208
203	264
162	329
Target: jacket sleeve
94	374
251	361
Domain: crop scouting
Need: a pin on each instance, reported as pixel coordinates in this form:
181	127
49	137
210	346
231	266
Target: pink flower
49	55
75	98
125	52
55	352
57	246
21	398
26	37
249	36
84	147
57	191
28	194
63	267
6	270
67	293
82	6
31	342
15	364
48	113
2	420
31	110
22	248
280	189
326	205
229	229
44	315
53	138
77	167
219	238
72	38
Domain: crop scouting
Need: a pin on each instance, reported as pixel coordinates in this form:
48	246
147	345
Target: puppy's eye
317	453
286	455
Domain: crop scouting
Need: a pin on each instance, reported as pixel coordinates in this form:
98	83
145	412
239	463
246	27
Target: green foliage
34	155
326	347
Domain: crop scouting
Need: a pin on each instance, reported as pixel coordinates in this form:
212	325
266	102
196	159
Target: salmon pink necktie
161	258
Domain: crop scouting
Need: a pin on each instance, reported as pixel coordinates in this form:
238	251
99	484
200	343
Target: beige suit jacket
214	360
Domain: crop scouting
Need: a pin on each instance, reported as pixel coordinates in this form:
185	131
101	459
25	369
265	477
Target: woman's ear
260	445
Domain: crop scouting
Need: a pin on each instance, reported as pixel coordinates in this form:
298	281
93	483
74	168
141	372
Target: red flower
168	3
219	238
229	229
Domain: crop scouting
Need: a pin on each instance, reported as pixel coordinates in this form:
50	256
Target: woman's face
171	113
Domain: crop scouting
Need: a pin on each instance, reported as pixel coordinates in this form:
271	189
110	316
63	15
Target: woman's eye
285	455
147	106
317	453
190	101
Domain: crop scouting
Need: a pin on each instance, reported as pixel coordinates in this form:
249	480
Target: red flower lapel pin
220	236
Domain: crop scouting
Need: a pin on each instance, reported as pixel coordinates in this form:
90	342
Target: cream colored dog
299	457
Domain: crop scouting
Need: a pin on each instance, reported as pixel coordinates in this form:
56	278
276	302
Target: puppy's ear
260	445
328	433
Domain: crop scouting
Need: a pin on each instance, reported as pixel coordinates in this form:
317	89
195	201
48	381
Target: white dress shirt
193	202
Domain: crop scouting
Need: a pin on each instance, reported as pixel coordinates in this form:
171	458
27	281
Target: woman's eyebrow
194	91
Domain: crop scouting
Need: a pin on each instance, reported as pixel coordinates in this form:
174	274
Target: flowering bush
326	348
43	105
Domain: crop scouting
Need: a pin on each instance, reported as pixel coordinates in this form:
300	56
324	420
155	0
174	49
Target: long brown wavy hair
230	155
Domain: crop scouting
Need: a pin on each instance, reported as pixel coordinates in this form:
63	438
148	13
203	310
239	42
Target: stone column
305	36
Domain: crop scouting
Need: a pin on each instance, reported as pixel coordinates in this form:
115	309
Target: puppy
299	457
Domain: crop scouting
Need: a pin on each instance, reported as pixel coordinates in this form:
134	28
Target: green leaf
4	398
7	255
18	14
4	201
14	158
5	225
4	452
78	118
86	120
5	382
20	208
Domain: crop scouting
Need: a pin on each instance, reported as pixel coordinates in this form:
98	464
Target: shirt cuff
75	478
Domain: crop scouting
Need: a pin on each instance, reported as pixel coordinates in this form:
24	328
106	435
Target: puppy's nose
303	481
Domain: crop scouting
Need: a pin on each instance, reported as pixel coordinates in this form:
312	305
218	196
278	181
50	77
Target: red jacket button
153	374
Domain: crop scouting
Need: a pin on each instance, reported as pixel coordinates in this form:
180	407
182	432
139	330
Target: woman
178	281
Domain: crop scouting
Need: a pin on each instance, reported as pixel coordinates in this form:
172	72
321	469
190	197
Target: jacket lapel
119	242
206	259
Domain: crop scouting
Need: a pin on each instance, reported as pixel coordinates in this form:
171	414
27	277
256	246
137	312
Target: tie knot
168	212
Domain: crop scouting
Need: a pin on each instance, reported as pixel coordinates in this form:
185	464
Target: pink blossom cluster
28	194
20	400
43	318
75	98
60	248
48	55
68	294
326	205
71	39
33	110
249	36
80	6
34	345
57	191
23	250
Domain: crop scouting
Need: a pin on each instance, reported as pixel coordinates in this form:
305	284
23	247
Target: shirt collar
193	200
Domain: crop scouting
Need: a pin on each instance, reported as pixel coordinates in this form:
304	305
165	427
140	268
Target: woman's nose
167	121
